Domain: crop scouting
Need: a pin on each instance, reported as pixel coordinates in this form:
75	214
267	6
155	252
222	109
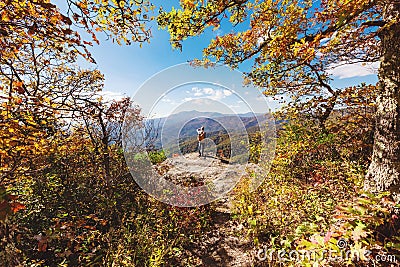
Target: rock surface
192	170
222	245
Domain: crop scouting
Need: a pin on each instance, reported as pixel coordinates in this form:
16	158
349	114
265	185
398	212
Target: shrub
157	156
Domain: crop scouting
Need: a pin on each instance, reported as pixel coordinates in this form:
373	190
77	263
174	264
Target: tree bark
384	170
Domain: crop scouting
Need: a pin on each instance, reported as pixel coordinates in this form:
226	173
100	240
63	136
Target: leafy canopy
292	43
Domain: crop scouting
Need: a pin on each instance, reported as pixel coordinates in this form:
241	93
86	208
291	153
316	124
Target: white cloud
214	94
218	32
324	40
261	98
203	101
262	38
353	70
227	93
109	96
166	100
208	91
197	91
234	106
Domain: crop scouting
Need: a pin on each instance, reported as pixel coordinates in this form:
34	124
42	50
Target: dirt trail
222	245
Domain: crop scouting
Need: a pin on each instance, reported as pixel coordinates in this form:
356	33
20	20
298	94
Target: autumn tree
42	89
123	21
103	122
51	92
39	80
39	44
293	44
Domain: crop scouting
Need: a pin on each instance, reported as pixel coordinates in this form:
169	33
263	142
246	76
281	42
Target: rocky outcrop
192	170
222	245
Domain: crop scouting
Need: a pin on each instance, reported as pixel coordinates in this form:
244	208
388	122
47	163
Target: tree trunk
384	170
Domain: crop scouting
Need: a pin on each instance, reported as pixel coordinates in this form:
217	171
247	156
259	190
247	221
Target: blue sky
184	88
126	68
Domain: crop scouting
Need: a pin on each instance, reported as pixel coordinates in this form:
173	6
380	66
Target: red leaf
12	197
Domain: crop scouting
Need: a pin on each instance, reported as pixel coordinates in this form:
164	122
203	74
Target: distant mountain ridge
183	125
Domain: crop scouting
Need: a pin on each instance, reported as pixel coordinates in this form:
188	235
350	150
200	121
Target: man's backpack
201	136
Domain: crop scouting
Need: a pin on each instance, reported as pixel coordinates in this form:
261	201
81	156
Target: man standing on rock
201	135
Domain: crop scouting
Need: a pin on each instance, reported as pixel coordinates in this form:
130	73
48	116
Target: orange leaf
89	227
16	206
